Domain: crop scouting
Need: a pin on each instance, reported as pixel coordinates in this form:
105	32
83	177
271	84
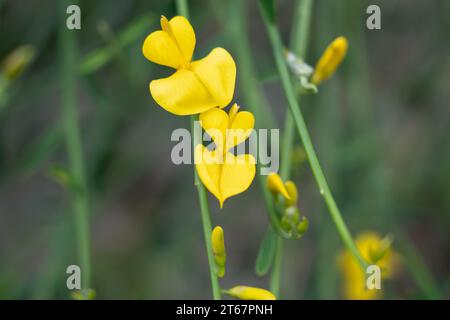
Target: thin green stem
207	229
299	42
68	47
417	267
277	46
275	275
253	95
182	8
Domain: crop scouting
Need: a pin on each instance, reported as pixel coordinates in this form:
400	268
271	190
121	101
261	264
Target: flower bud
302	226
291	189
218	248
276	185
250	293
330	60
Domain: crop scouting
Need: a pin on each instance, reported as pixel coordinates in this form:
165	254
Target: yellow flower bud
330	60
218	247
250	293
276	185
291	189
16	62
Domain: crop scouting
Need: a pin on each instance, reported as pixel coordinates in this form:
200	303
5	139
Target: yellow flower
276	185
223	173
330	60
288	189
250	293
370	245
196	86
218	248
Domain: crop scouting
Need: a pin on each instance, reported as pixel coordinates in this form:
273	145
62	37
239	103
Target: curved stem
67	47
182	9
299	42
251	91
277	46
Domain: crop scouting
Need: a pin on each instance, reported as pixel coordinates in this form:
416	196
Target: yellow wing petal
182	93
237	175
215	123
208	171
276	185
173	46
160	48
240	128
184	35
217	72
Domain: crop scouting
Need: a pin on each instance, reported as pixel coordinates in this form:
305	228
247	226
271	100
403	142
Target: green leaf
268	7
266	253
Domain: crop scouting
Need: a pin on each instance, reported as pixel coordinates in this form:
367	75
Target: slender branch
277	46
68	74
182	8
299	42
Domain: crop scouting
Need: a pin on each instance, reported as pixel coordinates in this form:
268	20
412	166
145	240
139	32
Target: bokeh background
380	126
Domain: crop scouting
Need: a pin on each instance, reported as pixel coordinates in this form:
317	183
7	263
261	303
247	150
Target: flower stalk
300	125
182	8
68	74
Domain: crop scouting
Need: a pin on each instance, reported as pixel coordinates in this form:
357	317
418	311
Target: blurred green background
380	126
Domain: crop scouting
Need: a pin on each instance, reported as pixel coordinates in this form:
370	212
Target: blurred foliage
381	127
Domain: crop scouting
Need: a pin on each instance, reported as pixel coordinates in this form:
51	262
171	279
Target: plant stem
275	275
183	10
417	267
67	47
207	229
254	99
299	41
277	46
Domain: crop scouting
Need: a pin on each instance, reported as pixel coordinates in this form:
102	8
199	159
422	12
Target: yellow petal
224	177
250	293
276	185
217	72
208	171
237	175
185	36
291	189
215	123
354	277
233	111
173	46
241	127
182	93
330	60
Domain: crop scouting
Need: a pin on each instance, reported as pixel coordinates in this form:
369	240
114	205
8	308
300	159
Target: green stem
67	47
417	267
207	229
254	99
277	46
299	41
275	275
183	10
